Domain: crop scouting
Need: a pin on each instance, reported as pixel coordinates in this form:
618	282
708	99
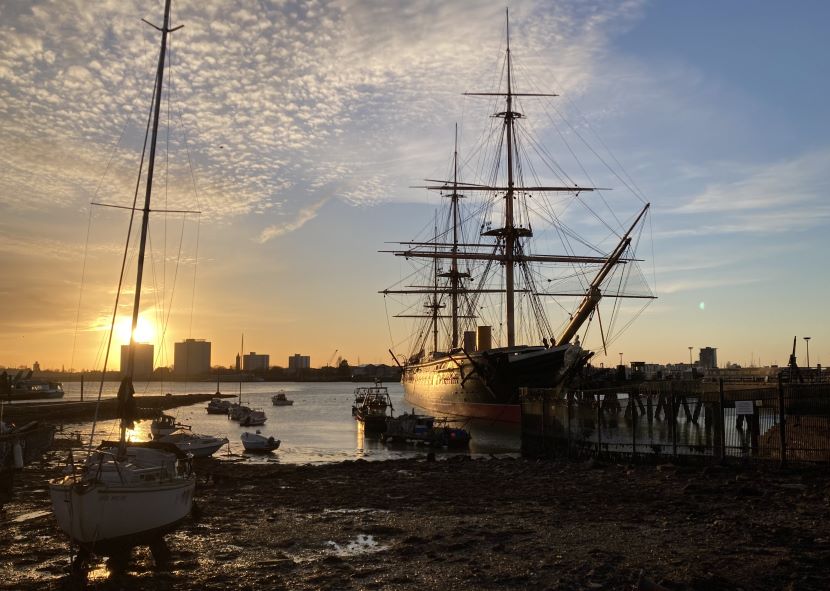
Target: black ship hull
486	384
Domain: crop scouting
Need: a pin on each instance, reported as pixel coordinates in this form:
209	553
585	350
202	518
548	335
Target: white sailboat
124	493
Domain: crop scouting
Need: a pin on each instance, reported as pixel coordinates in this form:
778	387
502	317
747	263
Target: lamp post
621	359
808	350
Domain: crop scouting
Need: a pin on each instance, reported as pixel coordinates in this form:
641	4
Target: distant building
298	361
708	357
191	357
253	362
142	362
736	373
36	367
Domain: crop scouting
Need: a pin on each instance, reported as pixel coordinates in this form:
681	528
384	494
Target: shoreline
414	524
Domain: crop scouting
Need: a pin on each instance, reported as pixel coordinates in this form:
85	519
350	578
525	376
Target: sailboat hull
486	384
100	516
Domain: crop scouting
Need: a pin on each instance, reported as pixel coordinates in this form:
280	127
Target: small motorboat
279	399
257	442
424	429
199	446
20	387
217	406
237	412
164	425
253	418
370	407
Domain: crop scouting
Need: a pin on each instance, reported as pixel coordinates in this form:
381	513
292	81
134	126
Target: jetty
75	411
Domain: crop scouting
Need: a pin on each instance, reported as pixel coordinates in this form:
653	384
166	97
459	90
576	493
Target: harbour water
317	428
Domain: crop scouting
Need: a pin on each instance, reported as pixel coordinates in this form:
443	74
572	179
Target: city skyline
307	134
706	357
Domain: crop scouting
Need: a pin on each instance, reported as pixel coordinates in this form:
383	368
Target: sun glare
144	332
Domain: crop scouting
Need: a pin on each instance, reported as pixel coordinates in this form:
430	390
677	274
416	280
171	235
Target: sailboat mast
126	387
240	365
509	233
145	218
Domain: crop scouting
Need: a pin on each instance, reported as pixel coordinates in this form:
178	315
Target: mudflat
456	523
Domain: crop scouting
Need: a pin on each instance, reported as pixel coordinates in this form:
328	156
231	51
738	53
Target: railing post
568	402
545	394
599	426
673	423
722	421
782	422
633	406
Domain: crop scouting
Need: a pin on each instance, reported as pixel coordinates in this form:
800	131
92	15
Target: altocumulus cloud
280	103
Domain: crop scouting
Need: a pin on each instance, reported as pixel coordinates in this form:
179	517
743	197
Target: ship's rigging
461	285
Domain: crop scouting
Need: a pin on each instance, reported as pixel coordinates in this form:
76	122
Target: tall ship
504	285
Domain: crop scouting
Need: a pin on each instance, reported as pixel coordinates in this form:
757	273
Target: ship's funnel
485	338
469	341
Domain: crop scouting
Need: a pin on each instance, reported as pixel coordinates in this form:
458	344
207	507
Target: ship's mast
435	305
508	237
454	263
509	234
454	274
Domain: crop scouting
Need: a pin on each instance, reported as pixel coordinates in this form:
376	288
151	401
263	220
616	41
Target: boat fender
18	455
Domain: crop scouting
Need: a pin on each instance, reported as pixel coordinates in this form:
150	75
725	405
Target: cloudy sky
298	128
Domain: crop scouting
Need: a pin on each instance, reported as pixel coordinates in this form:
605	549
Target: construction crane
328	364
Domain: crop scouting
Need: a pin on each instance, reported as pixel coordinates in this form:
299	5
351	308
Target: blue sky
307	122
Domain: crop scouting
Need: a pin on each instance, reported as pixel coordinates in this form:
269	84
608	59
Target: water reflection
318	428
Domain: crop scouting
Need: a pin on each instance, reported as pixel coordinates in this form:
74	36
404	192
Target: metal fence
708	421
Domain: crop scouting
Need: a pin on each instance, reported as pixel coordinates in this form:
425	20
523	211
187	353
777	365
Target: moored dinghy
424	429
237	412
217	406
279	399
257	442
253	418
199	446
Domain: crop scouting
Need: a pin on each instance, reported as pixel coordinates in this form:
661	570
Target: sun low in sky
145	331
297	130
